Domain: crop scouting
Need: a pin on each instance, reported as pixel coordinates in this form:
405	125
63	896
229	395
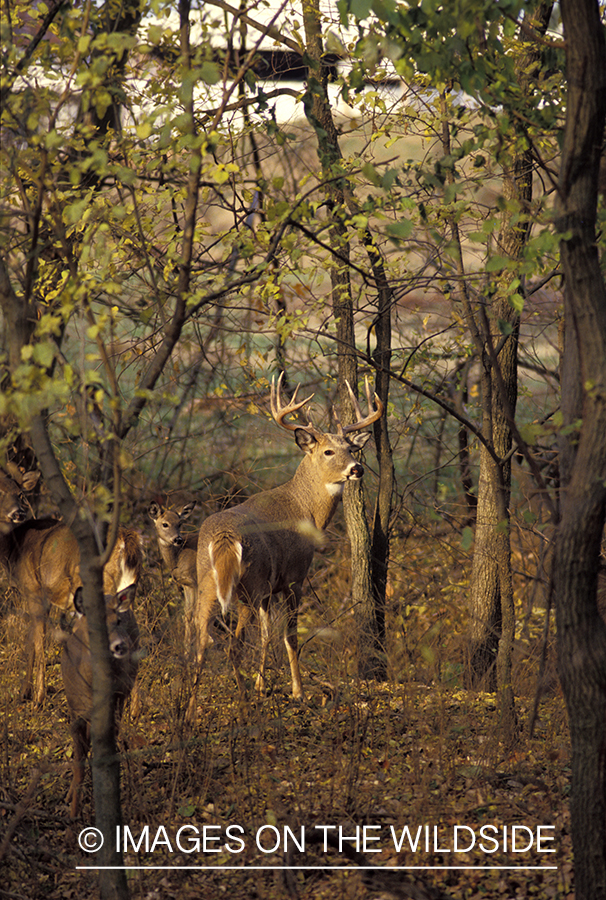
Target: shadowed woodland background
196	199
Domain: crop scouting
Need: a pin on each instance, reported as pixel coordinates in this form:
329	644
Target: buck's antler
361	420
280	412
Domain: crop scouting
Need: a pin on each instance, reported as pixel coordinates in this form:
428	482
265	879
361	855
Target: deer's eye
329	453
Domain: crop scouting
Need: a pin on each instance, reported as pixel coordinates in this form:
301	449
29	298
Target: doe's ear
154	511
305	440
126	598
186	510
30	480
79	606
359	440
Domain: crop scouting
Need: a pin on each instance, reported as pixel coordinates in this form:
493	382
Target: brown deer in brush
44	562
76	669
13	506
265	545
42	559
178	553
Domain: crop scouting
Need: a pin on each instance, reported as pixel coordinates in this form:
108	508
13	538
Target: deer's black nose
356	472
118	648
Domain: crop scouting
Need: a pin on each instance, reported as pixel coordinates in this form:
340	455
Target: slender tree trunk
319	114
581	632
491	596
491	549
106	769
383	505
106	763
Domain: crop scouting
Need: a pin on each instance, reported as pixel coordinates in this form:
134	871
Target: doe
42	559
76	669
178	553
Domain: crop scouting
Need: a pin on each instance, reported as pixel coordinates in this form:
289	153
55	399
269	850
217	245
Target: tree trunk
383	505
319	114
581	632
491	596
106	763
491	572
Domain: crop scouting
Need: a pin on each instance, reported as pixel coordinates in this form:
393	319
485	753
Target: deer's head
330	453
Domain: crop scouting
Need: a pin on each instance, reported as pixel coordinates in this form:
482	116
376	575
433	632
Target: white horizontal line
324	868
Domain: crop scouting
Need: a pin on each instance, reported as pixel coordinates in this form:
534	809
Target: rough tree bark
581	632
491	596
368	580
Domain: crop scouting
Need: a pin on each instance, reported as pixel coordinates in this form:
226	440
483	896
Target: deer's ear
305	440
186	510
125	598
79	606
154	510
359	440
30	480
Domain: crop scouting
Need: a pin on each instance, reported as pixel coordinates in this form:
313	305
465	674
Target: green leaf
209	73
369	171
497	263
187	810
44	354
400	230
360	8
517	301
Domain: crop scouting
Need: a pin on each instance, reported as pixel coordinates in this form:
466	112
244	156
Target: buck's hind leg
189	630
199	617
236	644
293	598
264	624
201	612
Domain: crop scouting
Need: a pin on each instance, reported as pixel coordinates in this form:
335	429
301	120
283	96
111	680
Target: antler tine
361	420
280	412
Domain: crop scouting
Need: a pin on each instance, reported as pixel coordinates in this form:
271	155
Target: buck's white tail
225	554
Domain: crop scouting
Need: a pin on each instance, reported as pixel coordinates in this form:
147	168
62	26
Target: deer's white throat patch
335	489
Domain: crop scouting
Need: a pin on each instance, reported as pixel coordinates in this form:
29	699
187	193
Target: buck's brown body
265	546
76	669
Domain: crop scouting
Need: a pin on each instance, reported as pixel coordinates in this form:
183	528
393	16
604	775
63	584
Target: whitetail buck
178	554
265	546
76	669
42	560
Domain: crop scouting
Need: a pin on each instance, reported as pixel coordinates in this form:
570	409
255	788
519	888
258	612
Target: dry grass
416	751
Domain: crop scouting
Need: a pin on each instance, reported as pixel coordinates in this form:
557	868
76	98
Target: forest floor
312	800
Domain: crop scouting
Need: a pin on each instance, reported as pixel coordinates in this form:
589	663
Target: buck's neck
318	501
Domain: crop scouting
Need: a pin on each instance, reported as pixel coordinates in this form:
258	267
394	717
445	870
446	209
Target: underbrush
309	799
